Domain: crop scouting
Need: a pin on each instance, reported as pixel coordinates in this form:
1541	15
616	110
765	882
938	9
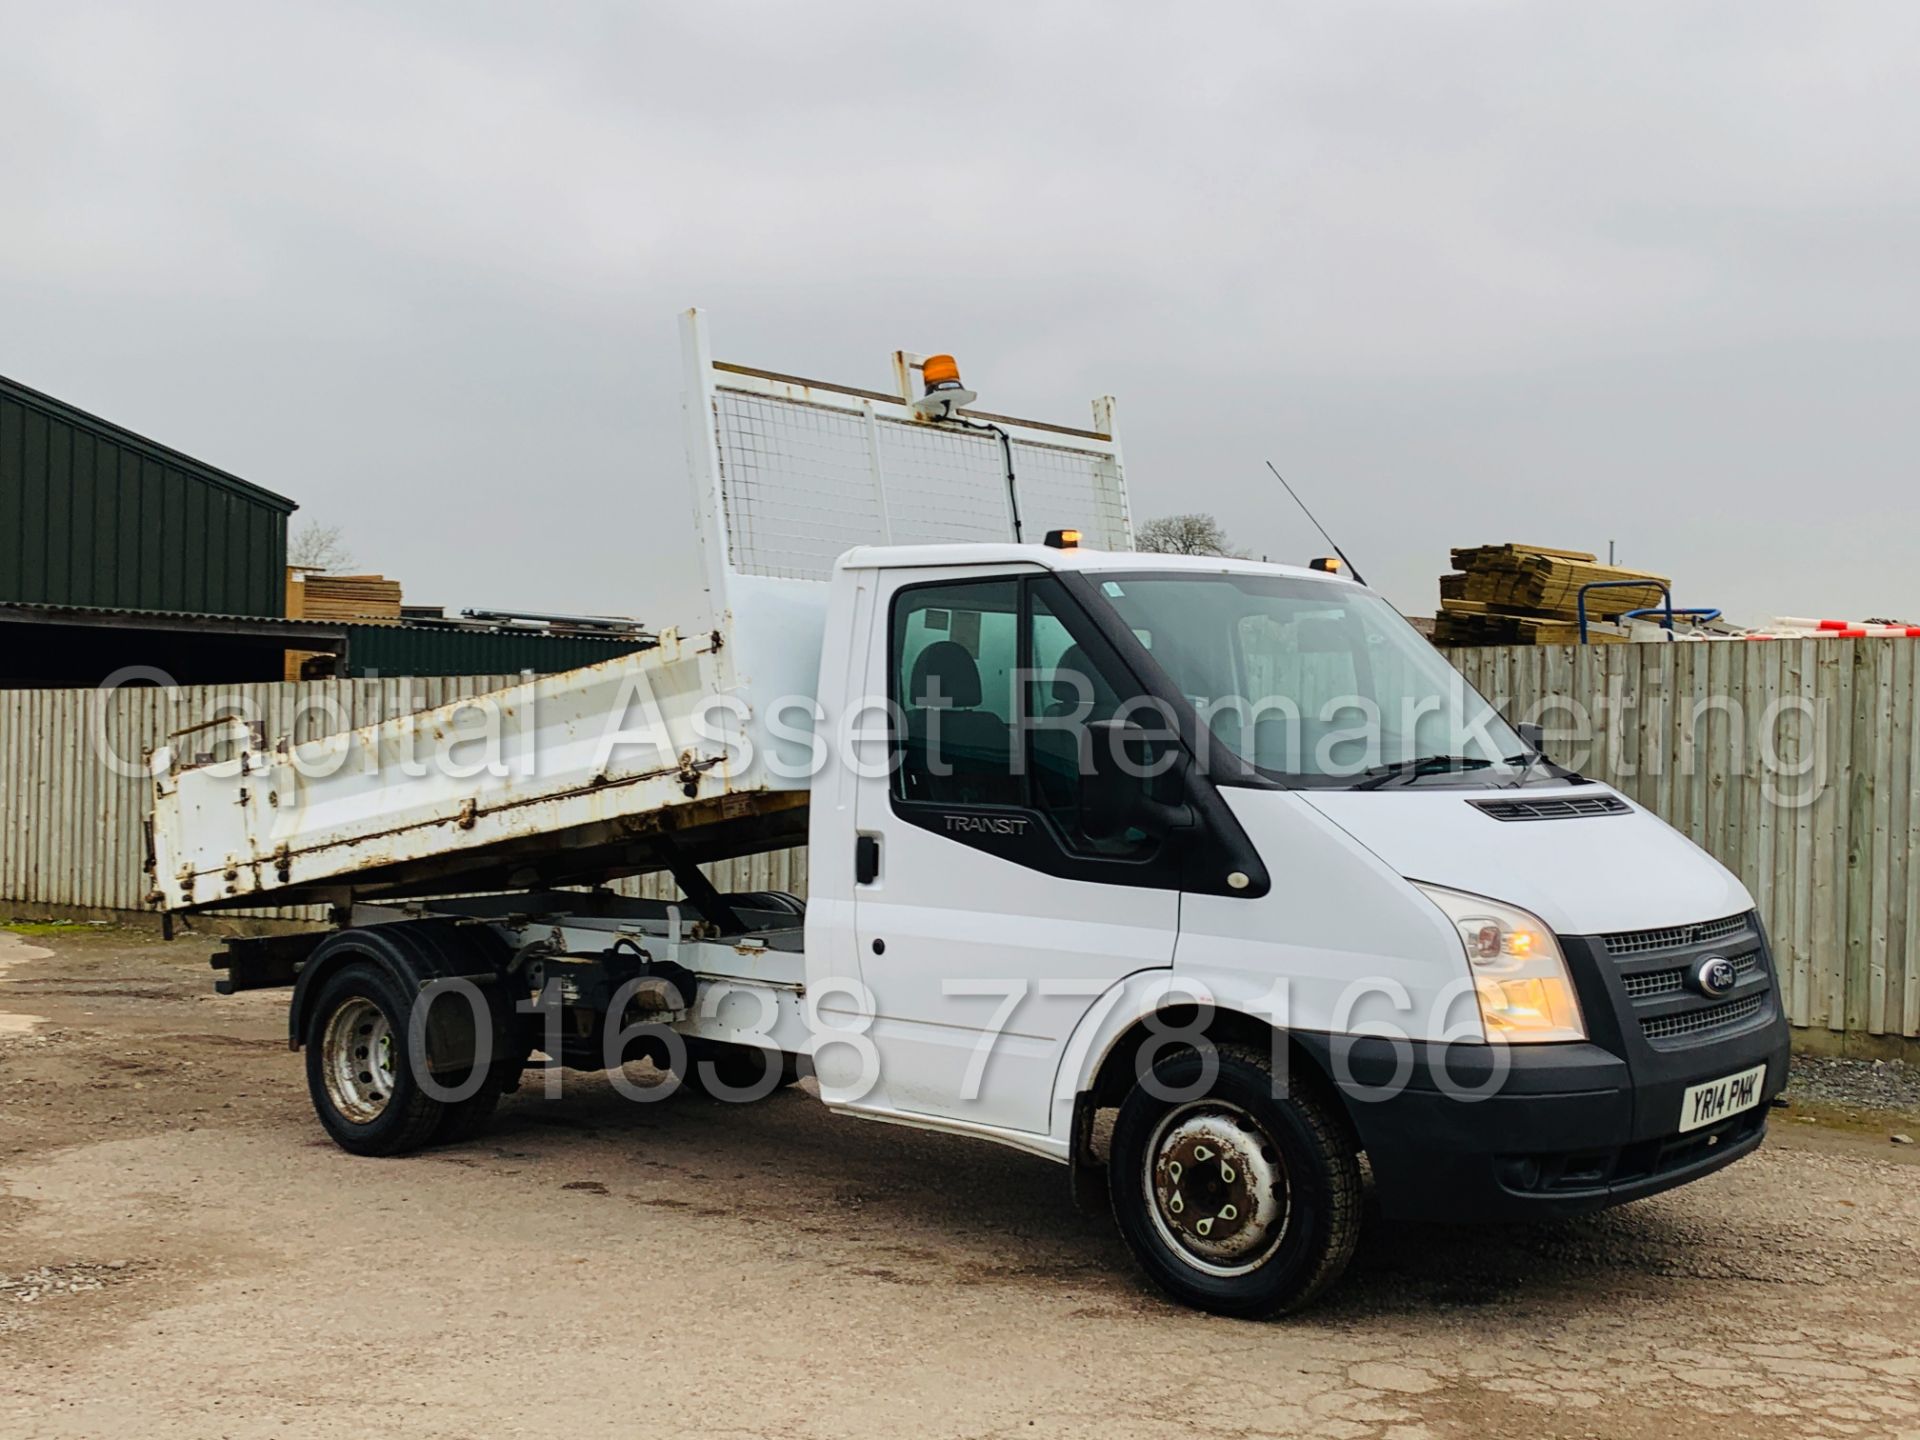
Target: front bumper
1573	1128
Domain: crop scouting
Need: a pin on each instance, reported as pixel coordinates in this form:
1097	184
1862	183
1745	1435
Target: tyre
737	1072
363	1089
465	1119
1236	1201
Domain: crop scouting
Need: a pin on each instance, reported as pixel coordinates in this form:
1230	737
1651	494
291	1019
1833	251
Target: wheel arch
1110	1081
413	954
1104	1050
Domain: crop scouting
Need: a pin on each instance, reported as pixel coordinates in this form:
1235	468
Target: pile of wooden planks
312	595
1517	594
315	595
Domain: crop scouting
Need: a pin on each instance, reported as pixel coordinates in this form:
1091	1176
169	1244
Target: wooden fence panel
1796	763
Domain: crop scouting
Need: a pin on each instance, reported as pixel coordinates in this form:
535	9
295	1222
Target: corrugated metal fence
1796	762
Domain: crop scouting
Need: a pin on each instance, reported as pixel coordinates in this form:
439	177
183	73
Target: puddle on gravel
15	951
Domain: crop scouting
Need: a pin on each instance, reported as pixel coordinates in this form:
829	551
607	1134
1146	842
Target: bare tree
319	547
1185	535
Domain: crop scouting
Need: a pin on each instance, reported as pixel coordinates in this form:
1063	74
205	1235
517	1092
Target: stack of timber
1530	595
313	595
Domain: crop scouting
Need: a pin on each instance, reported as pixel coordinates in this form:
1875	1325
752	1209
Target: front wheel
1232	1198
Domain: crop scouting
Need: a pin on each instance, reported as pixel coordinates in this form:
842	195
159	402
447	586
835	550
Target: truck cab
1125	806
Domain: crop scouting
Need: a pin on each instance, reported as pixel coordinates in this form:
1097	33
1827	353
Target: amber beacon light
944	392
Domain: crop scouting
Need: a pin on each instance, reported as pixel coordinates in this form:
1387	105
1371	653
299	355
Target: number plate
1717	1099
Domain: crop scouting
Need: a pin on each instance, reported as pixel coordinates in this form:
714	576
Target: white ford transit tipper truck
1223	849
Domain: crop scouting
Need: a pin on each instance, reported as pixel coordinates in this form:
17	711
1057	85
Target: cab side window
956	648
1077	695
1007	698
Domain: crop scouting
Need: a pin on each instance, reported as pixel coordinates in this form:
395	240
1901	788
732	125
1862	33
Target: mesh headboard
801	471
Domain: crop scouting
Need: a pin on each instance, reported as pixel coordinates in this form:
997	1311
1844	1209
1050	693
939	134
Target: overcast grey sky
1468	272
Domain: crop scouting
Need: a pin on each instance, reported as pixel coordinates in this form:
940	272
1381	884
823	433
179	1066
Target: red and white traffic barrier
1838	629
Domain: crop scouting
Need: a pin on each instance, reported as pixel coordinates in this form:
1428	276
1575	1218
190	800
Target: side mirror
1134	781
1532	736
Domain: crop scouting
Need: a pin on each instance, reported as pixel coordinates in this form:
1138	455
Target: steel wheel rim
1216	1188
357	1057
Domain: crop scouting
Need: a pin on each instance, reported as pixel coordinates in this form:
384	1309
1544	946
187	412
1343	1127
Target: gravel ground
184	1254
1856	1084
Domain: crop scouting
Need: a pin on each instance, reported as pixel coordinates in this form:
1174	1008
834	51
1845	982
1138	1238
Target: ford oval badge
1715	977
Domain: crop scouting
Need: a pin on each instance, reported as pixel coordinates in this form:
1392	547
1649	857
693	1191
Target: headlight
1519	975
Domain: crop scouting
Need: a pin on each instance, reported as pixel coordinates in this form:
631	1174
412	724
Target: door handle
866	859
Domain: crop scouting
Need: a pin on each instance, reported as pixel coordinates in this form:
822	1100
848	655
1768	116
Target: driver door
991	921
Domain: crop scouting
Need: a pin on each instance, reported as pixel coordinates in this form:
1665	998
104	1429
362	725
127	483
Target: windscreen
1315	681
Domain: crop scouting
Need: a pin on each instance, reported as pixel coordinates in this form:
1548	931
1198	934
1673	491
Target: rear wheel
362	1086
1234	1199
465	1119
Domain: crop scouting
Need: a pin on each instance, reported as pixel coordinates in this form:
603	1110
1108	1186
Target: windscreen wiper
1539	760
1375	776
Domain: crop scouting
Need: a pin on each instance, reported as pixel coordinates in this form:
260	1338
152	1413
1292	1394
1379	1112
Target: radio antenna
1316	524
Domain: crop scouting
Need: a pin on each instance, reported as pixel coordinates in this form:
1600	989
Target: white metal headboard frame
708	380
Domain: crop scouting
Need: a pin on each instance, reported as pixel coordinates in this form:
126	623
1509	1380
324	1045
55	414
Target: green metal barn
97	516
118	551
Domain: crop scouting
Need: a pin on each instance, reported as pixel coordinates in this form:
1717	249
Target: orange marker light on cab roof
1063	539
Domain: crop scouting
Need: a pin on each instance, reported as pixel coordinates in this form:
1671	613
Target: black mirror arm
1159	818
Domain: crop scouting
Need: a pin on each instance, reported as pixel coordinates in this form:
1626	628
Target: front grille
1707	1019
1654	970
1677	937
1649	983
1554	808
